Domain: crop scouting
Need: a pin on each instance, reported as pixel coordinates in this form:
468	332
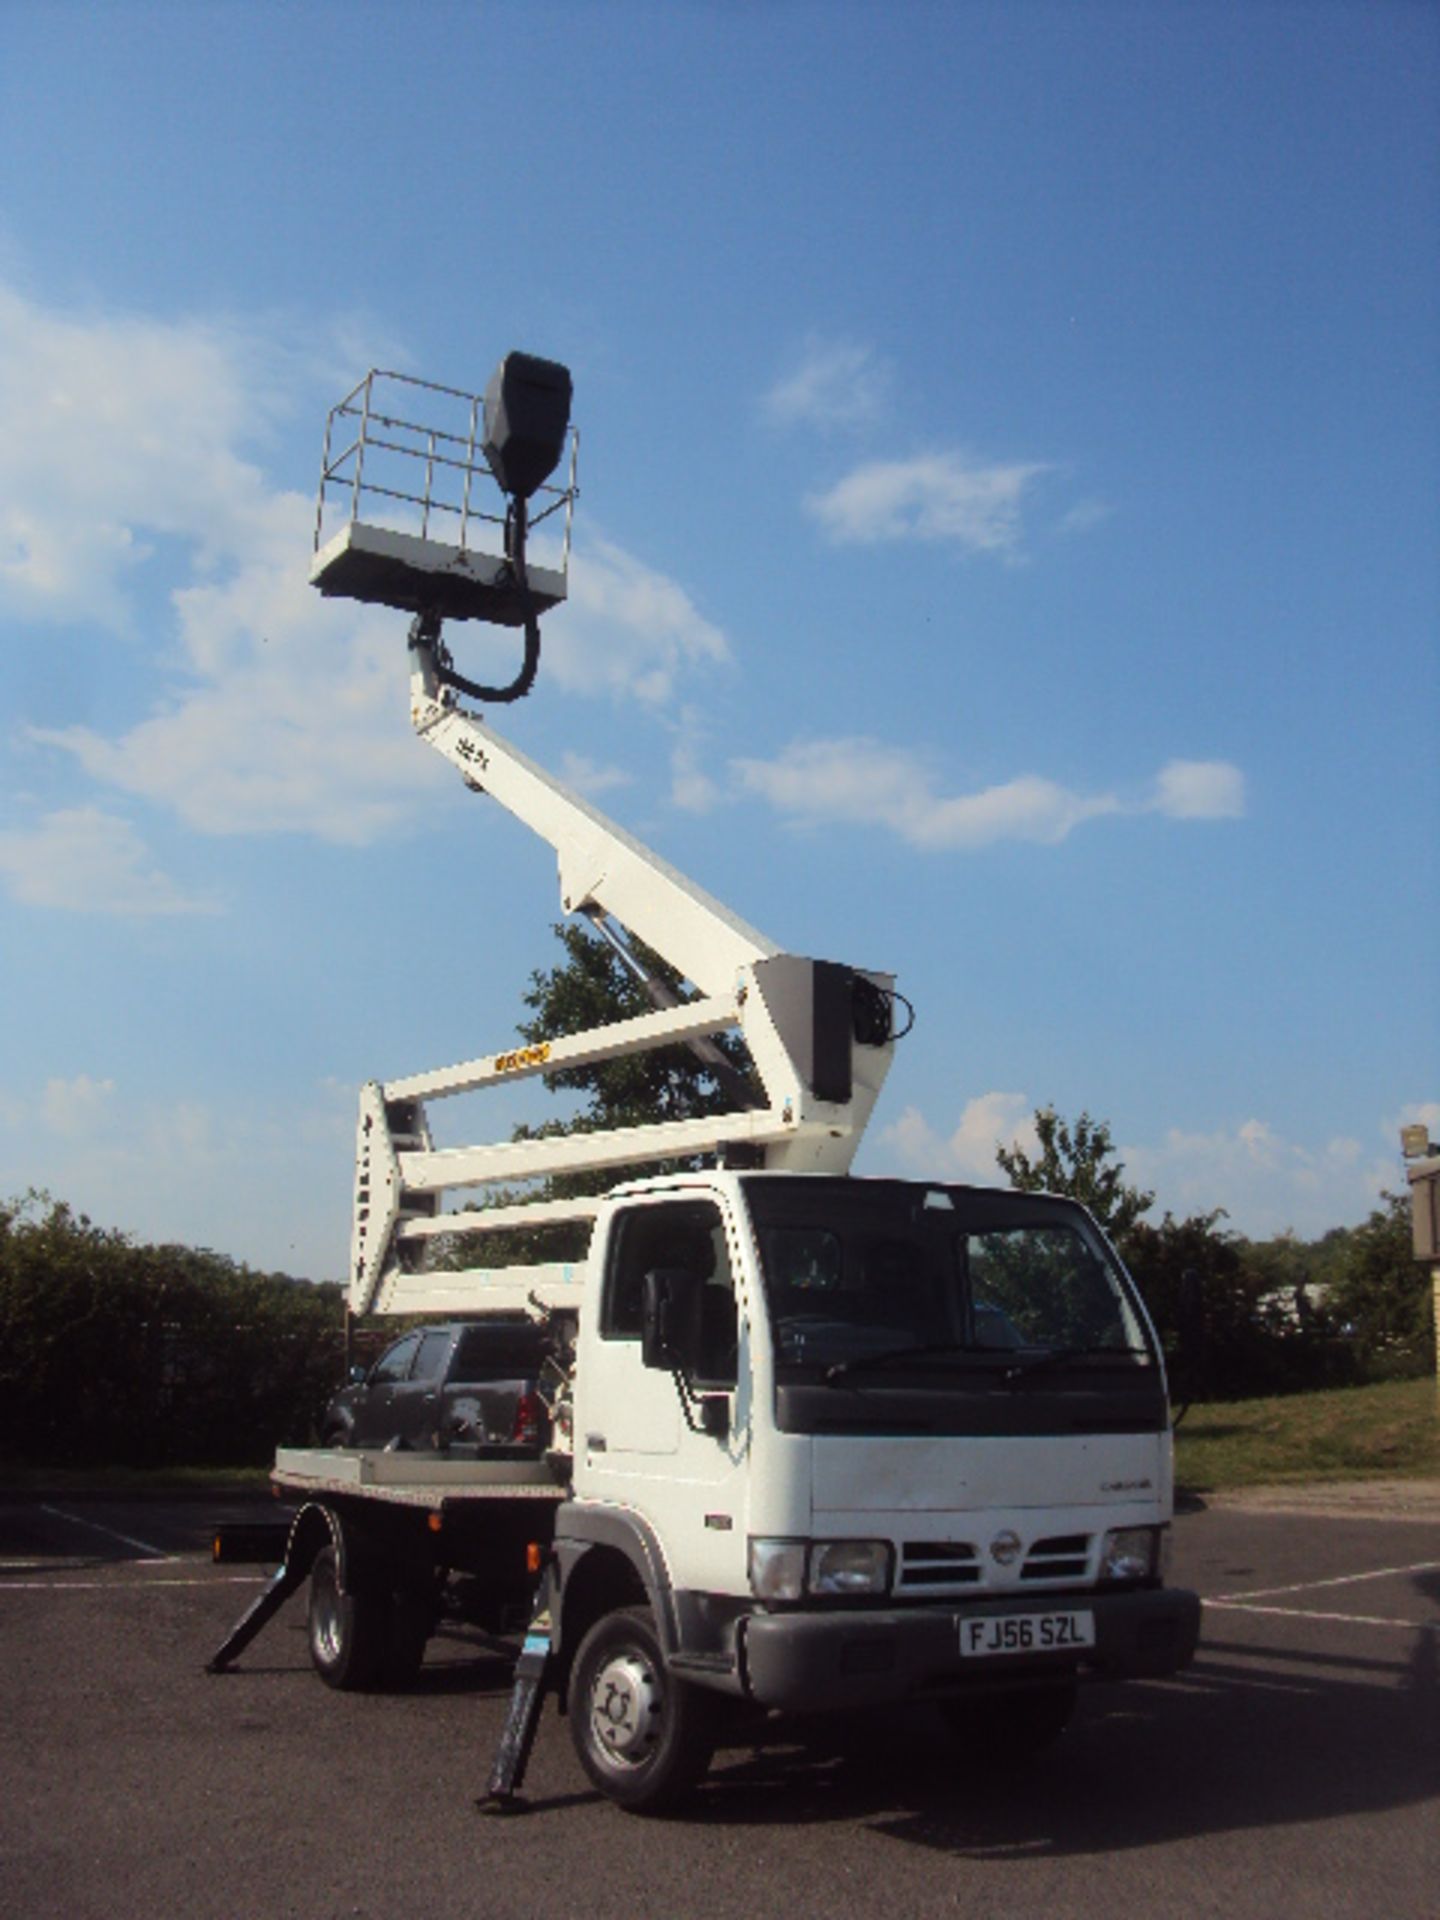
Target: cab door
639	1446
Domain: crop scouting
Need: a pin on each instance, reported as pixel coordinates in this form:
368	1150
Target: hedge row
113	1353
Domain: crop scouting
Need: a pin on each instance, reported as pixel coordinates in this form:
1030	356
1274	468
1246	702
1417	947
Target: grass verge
1387	1431
17	1477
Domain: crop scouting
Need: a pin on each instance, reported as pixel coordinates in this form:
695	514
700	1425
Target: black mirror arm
704	1412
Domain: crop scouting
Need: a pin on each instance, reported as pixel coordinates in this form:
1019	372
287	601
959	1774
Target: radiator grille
932	1566
1065	1556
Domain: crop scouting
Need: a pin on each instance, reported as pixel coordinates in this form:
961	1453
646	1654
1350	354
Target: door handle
595	1442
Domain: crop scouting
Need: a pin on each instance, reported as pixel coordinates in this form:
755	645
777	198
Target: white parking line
1308	1613
48	1563
1313	1586
152	1553
109	1586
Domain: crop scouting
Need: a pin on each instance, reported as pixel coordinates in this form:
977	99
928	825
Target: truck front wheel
644	1737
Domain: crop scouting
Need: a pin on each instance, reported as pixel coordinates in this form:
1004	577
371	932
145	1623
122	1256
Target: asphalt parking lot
1294	1770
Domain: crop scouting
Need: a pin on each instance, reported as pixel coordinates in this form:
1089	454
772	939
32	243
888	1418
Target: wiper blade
876	1362
1061	1356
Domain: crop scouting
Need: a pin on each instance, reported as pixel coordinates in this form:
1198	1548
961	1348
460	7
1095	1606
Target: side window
688	1234
394	1363
430	1361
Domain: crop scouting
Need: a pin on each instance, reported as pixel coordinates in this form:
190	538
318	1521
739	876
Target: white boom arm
819	1035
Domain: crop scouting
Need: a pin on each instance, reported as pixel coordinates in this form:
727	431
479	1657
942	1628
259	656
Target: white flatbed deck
411	1479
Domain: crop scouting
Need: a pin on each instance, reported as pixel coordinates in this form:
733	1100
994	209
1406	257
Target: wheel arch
314	1528
604	1561
359	1559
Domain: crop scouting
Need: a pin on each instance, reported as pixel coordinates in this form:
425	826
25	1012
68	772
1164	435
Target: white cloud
118	431
75	1107
164	1170
837	383
126	456
861	781
990	1121
1265	1183
588	777
626	629
691	788
296	718
1084	515
292	718
1200	790
938	497
81	860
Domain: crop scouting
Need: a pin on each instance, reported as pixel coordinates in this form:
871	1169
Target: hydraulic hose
516	523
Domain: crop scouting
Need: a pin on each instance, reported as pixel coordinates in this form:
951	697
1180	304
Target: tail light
529	1412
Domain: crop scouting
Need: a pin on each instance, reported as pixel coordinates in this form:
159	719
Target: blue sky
1008	556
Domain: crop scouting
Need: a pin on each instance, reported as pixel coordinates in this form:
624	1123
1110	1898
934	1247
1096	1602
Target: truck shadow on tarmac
1252	1736
1245	1740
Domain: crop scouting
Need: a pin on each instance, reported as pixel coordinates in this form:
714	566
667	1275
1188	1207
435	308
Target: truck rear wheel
644	1737
348	1632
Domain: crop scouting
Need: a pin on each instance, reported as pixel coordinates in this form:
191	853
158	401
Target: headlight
789	1569
777	1569
849	1566
1131	1553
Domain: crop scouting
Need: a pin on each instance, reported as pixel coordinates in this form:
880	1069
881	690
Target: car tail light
528	1412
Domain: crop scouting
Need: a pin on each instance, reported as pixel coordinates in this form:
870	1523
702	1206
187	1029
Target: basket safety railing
381	460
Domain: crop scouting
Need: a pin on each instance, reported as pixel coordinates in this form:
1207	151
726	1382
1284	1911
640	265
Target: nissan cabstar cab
863	1440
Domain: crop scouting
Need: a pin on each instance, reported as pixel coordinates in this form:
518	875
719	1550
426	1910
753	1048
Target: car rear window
498	1353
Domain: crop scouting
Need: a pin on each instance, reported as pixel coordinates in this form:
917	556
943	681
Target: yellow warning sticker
523	1057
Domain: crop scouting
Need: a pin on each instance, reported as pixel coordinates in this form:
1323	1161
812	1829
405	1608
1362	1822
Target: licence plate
1026	1633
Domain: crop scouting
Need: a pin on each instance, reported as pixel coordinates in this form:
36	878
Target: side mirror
670	1329
357	1376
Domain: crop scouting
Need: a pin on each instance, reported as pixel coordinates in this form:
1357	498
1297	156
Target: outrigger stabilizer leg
533	1673
291	1574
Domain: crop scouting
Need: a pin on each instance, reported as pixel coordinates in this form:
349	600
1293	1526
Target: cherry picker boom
819	1034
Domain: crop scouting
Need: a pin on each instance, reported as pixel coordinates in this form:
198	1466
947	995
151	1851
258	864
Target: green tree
1254	1338
1260	1331
1382	1295
1160	1257
1080	1161
590	987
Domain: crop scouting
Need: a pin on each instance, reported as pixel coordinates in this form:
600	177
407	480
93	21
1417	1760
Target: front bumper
803	1661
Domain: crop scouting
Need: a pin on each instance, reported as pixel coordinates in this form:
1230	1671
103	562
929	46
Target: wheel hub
325	1614
625	1704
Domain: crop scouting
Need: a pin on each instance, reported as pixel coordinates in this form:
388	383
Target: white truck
827	1442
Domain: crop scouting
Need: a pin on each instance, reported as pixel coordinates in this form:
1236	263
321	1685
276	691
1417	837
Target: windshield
883	1275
